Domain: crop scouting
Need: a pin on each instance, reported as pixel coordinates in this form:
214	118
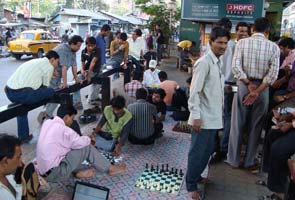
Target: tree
160	14
92	5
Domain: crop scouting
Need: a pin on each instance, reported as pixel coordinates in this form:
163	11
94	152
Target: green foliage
159	15
92	5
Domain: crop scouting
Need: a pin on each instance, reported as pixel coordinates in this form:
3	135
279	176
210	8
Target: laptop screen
86	191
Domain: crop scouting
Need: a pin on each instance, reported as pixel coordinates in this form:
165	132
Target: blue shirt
100	43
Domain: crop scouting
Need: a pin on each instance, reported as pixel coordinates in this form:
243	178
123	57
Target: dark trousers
147	141
278	148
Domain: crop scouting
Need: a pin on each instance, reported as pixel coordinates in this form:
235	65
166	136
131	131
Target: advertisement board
213	10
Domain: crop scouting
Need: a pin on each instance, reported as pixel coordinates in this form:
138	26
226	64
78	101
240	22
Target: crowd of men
137	112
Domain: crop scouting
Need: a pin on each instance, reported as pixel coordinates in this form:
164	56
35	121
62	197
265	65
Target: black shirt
87	58
161	106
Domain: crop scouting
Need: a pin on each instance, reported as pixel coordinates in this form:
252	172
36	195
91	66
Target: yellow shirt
185	44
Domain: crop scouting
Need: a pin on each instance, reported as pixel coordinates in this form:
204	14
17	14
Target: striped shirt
143	114
256	57
33	74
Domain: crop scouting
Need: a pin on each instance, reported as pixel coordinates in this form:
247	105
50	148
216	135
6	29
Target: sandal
261	182
271	197
195	195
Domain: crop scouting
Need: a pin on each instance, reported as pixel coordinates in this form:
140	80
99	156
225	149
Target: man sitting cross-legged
113	128
60	150
145	116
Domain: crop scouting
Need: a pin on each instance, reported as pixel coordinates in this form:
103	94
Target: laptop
87	191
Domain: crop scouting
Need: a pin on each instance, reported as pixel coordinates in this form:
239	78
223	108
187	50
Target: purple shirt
55	141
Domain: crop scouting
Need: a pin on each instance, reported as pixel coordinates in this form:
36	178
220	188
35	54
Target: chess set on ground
162	180
166	179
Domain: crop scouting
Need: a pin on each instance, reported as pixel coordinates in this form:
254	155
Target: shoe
27	139
94	110
42	116
78	106
218	157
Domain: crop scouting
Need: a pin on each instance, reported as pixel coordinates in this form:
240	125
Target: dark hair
138	76
138	32
118	102
261	25
52	54
287	42
161	92
141	93
91	40
7	145
105	27
123	36
75	39
224	23
219	32
194	43
117	33
66	109
162	75
189	80
244	24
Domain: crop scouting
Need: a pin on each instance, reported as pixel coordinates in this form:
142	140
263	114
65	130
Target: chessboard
182	126
162	180
111	157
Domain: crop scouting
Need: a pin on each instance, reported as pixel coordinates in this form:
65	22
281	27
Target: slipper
261	182
93	110
196	195
85	119
271	197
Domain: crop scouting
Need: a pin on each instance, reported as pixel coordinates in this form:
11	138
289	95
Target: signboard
213	10
27	9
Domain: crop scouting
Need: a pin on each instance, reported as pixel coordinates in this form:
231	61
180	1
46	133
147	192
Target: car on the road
32	42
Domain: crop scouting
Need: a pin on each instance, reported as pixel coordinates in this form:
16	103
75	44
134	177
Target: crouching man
60	150
114	126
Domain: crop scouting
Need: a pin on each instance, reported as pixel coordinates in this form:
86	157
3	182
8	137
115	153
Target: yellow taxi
32	42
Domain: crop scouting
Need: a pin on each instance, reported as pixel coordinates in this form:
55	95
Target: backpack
30	182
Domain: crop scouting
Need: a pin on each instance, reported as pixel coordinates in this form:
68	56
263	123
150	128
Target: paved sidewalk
229	184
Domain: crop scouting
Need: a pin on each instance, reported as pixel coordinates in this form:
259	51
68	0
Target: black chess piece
152	168
162	168
176	171
172	170
146	165
181	173
167	168
157	167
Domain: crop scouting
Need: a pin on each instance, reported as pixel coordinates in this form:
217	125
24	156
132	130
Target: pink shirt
55	141
289	59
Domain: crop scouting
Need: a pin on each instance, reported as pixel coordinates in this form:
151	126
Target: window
28	36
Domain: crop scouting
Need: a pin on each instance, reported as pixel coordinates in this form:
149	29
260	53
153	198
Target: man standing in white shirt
10	159
205	105
137	47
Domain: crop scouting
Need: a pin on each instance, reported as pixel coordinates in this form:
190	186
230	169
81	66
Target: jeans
159	52
27	96
202	146
138	68
116	65
50	107
228	100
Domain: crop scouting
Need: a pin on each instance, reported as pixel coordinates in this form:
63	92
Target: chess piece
152	168
146	166
157	167
167	168
162	168
181	173
176	171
